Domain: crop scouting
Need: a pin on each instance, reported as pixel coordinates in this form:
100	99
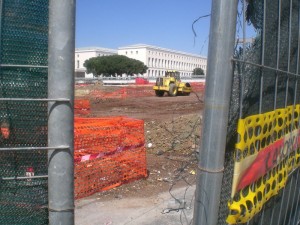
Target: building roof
87	49
158	48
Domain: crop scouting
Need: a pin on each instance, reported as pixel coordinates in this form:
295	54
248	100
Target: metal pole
61	114
217	98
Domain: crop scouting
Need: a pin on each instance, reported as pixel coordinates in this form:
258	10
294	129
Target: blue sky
162	23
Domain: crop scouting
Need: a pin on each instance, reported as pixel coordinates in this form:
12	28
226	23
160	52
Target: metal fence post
61	114
217	98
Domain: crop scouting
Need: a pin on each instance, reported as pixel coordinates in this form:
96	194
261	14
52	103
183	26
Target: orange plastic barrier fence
133	91
198	87
82	106
108	152
141	81
125	92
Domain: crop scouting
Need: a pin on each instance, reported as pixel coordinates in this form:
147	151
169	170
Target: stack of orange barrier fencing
82	107
108	152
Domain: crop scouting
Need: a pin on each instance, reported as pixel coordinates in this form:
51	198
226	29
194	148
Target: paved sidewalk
160	210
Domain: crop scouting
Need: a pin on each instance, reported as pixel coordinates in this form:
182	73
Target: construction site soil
172	127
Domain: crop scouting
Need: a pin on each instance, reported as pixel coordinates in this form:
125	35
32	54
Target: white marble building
82	54
157	59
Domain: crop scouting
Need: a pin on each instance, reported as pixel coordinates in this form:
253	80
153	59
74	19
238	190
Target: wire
195	21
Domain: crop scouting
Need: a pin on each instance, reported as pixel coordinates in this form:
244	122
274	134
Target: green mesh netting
23	41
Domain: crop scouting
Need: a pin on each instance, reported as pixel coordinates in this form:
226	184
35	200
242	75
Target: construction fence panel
261	183
23	75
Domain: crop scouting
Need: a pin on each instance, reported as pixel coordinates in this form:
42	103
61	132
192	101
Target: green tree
198	71
114	64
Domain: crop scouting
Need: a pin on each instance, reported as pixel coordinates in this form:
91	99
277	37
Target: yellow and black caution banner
267	151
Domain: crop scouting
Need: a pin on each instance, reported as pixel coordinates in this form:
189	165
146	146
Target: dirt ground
172	133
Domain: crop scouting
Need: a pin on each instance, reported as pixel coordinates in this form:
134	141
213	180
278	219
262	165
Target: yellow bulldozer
171	85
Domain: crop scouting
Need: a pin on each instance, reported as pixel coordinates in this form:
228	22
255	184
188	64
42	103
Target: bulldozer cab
174	74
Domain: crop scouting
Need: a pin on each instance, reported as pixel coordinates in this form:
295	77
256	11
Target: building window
78	63
137	52
126	53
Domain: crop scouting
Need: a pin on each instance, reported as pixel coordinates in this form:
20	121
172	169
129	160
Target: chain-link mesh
23	55
266	82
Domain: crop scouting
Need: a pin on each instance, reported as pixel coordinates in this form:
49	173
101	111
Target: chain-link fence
23	75
260	182
29	101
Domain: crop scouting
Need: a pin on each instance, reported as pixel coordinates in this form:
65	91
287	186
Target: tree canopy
198	71
114	64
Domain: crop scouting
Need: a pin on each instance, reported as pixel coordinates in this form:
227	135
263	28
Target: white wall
80	58
83	54
158	60
134	53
